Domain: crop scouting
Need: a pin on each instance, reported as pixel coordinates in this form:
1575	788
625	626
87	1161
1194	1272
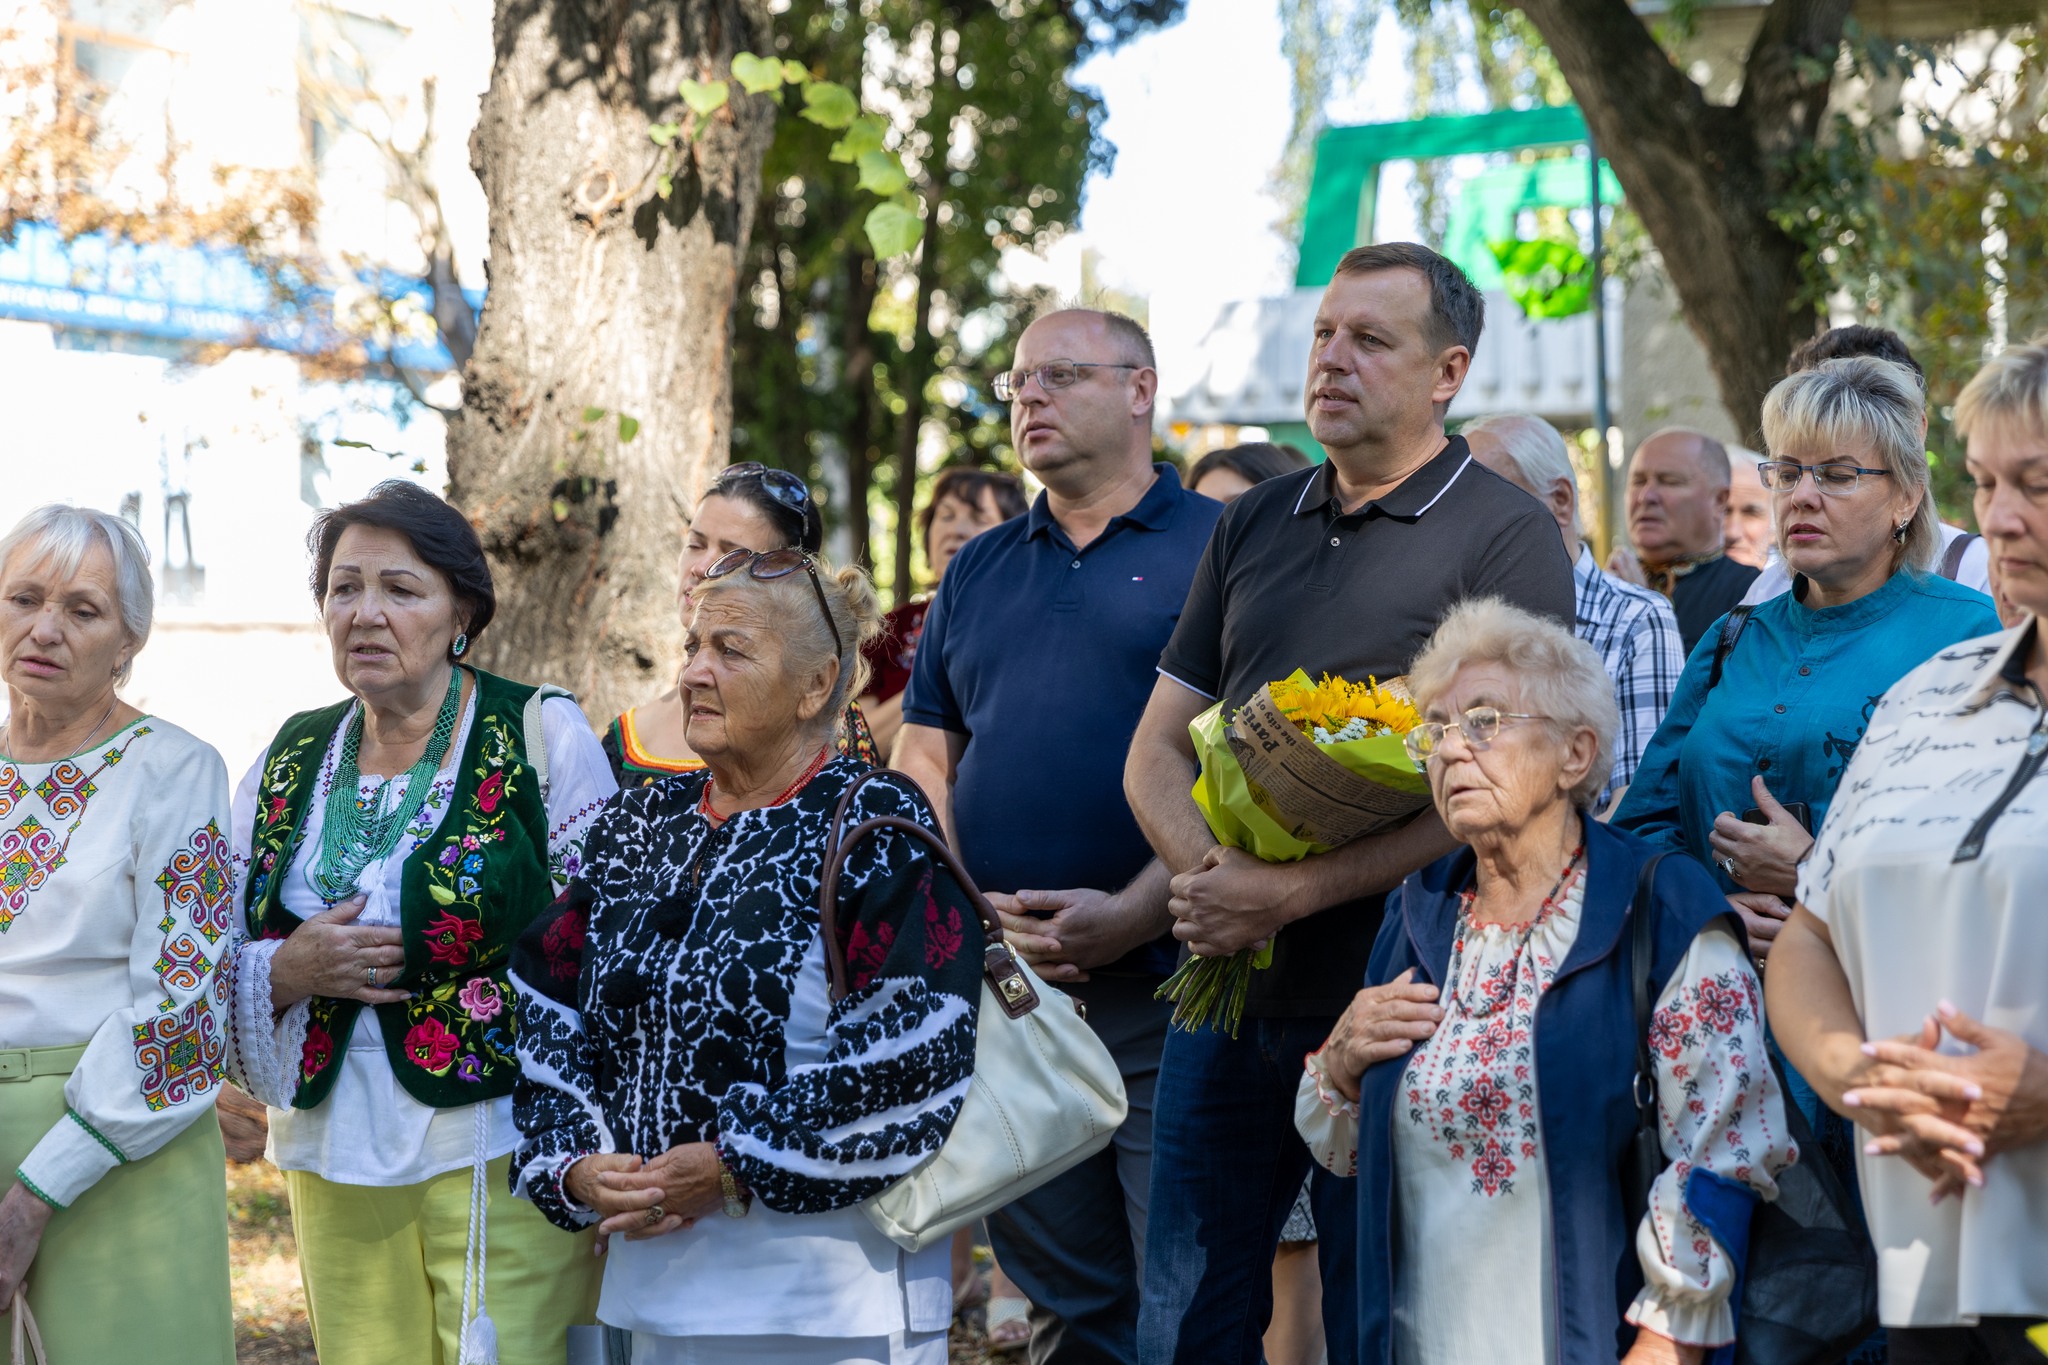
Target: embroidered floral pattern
482	999
274	838
32	851
431	1046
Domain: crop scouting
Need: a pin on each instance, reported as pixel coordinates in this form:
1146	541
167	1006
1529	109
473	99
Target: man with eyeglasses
1677	522
1345	569
1033	668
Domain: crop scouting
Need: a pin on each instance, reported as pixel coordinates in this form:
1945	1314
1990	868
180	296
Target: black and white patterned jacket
677	993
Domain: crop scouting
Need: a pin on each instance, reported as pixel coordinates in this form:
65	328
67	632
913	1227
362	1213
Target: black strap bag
1808	1292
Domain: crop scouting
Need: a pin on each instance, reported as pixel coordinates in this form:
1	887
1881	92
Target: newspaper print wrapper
1269	789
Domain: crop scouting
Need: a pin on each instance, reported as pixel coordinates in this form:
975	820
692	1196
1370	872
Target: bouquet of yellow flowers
1301	768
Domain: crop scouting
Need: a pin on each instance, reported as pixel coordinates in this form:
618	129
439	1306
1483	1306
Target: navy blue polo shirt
1044	656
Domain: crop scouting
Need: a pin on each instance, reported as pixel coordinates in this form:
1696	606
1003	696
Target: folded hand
1381	1023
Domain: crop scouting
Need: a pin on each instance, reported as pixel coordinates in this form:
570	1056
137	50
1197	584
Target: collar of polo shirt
1410	498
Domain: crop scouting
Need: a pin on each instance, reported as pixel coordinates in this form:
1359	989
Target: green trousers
136	1269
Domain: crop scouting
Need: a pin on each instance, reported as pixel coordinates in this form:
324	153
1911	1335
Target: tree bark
1704	178
603	297
858	375
917	372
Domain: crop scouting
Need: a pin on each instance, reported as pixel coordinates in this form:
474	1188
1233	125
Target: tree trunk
1704	178
858	375
917	372
604	298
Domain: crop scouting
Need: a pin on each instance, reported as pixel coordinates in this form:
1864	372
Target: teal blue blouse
1793	700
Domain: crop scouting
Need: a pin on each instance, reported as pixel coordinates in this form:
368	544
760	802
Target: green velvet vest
465	895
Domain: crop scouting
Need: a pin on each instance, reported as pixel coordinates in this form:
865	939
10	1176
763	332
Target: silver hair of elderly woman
1559	675
806	639
64	535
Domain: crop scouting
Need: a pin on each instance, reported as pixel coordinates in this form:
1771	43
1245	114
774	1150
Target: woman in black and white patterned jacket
688	1084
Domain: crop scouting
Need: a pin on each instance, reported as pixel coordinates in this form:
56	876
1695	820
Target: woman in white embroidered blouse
1907	986
1500	1090
389	849
114	909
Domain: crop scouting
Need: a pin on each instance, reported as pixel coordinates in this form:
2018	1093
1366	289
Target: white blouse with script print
1473	1263
1954	752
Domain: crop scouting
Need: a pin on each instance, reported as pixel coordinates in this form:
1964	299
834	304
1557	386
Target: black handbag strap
1952	557
1731	631
1643	938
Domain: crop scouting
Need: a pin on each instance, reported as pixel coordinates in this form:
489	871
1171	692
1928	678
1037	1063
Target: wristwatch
738	1198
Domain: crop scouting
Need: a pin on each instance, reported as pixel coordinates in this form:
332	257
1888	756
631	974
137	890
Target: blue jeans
1226	1167
1075	1245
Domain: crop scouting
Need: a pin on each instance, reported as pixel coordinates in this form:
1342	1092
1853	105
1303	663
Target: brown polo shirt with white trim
1290	580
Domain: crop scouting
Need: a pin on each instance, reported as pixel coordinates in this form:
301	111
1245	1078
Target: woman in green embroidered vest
390	848
748	507
114	910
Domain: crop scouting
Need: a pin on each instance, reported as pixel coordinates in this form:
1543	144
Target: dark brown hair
964	483
1839	343
441	536
1254	461
1457	309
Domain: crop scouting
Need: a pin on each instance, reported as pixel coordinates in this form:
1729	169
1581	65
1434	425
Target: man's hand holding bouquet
1302	767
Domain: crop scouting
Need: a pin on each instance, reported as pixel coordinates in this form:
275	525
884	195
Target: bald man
1677	521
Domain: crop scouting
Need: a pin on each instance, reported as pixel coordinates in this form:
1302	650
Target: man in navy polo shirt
1036	660
1345	569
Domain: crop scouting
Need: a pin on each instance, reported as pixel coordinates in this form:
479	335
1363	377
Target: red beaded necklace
803	779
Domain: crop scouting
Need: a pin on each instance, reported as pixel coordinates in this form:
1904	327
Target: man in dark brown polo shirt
1346	569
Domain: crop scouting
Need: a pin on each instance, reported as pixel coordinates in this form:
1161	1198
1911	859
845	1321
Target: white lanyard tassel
479	1333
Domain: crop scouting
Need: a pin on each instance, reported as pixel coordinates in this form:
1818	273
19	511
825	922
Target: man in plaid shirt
1633	628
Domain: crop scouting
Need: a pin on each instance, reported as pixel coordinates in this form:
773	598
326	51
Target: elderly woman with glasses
692	1090
748	507
1495	1045
114	910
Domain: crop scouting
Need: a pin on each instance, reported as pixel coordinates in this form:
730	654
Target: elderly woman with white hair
1632	628
1496	1041
115	900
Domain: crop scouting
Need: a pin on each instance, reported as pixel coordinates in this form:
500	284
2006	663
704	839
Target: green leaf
661	134
756	75
704	99
893	230
354	445
441	894
1548	279
629	427
830	104
664	185
865	134
795	73
882	173
593	414
560	507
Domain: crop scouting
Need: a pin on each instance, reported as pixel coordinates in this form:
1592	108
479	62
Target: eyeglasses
1782	476
769	565
1478	725
1054	374
785	488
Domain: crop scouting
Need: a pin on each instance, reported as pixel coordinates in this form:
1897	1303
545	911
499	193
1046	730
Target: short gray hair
1534	446
2012	387
1560	676
1851	401
65	535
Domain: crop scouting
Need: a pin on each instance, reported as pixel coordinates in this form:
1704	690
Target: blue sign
204	295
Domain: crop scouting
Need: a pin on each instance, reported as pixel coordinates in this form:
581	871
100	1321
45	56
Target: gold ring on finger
656	1214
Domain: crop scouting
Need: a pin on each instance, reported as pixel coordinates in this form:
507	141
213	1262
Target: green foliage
1547	278
973	108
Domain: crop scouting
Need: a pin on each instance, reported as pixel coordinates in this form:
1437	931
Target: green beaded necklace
355	832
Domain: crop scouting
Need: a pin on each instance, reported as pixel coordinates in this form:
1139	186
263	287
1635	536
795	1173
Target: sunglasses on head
768	565
783	487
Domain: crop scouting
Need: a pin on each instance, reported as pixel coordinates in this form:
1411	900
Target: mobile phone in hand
1798	810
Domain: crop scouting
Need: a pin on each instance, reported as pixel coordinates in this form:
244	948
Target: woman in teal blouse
1855	522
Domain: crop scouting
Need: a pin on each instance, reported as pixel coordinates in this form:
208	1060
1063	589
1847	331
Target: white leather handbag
1045	1095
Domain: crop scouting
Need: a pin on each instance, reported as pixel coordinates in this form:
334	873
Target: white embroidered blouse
369	1131
1472	1201
115	901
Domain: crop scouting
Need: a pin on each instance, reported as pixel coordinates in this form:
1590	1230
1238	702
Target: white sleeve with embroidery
580	782
155	1065
263	1047
1720	1108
